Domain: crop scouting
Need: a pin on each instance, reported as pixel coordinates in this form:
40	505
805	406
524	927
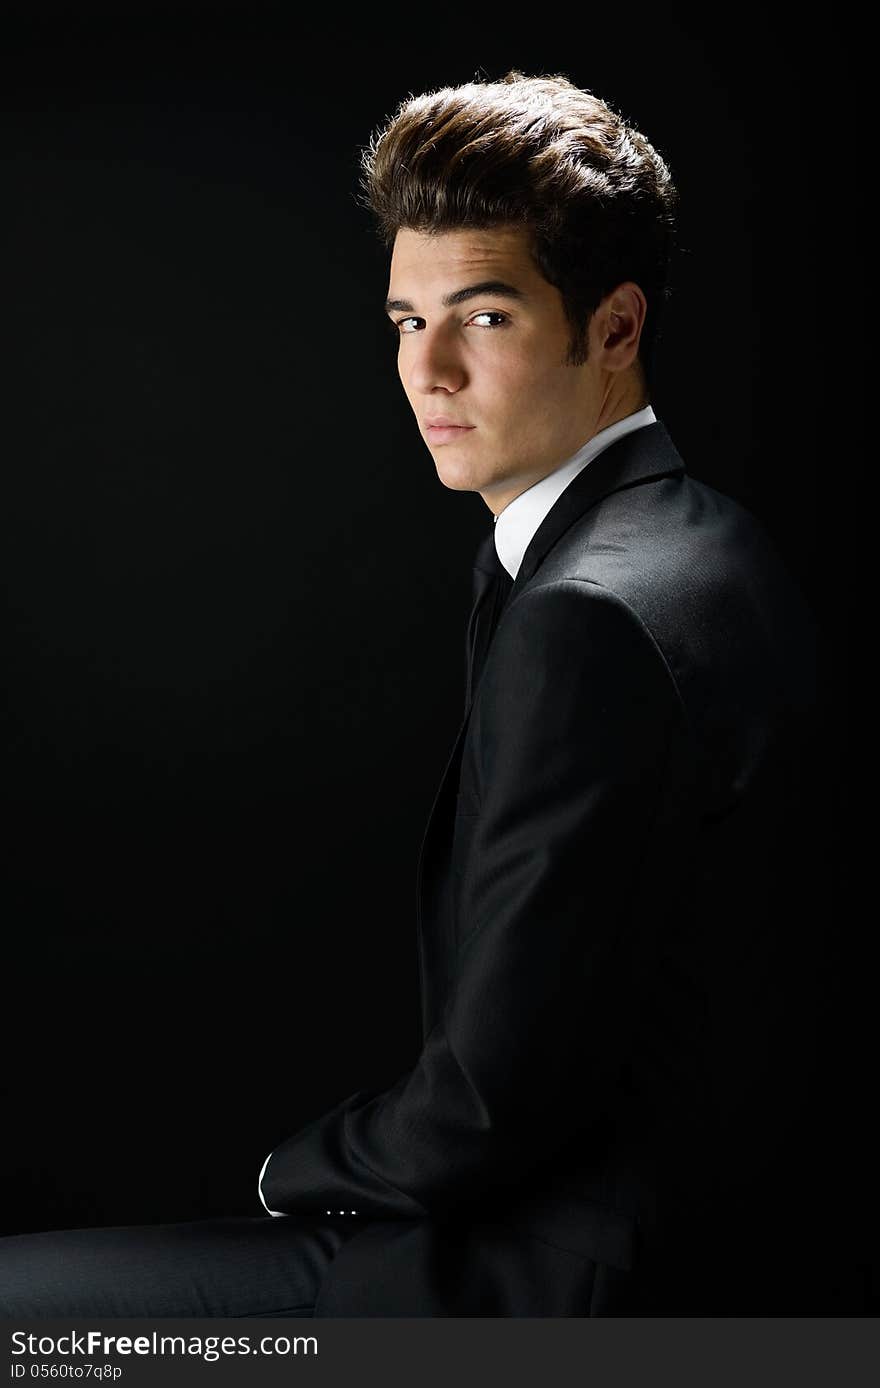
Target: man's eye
492	313
484	313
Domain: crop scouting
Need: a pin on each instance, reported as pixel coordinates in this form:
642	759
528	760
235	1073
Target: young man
617	985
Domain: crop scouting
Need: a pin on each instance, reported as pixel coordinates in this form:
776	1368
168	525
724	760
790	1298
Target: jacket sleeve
572	727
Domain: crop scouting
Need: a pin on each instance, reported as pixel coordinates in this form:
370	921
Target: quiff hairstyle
539	152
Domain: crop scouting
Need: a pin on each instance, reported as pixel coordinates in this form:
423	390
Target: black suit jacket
618	980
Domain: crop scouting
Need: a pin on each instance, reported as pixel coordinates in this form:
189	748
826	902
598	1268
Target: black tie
492	585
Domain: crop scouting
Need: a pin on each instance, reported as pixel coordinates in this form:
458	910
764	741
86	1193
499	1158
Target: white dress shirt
514	528
517	523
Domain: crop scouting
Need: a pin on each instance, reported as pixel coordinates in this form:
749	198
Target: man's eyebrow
497	288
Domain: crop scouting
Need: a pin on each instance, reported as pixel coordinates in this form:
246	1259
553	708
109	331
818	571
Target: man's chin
455	484
458	479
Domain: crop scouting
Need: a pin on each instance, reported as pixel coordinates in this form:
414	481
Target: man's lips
444	431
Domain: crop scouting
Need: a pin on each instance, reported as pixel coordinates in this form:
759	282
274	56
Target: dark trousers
231	1266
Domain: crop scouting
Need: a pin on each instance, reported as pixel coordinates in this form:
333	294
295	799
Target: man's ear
619	320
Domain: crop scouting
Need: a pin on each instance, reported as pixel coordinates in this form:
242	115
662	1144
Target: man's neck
497	499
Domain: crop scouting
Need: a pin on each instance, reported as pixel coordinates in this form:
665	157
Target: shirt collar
517	523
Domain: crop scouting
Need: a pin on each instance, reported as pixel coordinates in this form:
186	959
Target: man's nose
433	361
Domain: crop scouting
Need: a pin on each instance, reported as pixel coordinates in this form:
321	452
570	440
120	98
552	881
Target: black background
237	590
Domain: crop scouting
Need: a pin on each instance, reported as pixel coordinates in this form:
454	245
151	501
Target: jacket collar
639	456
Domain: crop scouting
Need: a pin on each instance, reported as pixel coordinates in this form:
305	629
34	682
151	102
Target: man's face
494	361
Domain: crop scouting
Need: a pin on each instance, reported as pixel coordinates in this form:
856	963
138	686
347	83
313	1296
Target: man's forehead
447	256
466	247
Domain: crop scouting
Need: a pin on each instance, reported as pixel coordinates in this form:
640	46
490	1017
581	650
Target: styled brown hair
598	199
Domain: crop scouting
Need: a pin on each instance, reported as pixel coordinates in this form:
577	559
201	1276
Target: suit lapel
640	456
